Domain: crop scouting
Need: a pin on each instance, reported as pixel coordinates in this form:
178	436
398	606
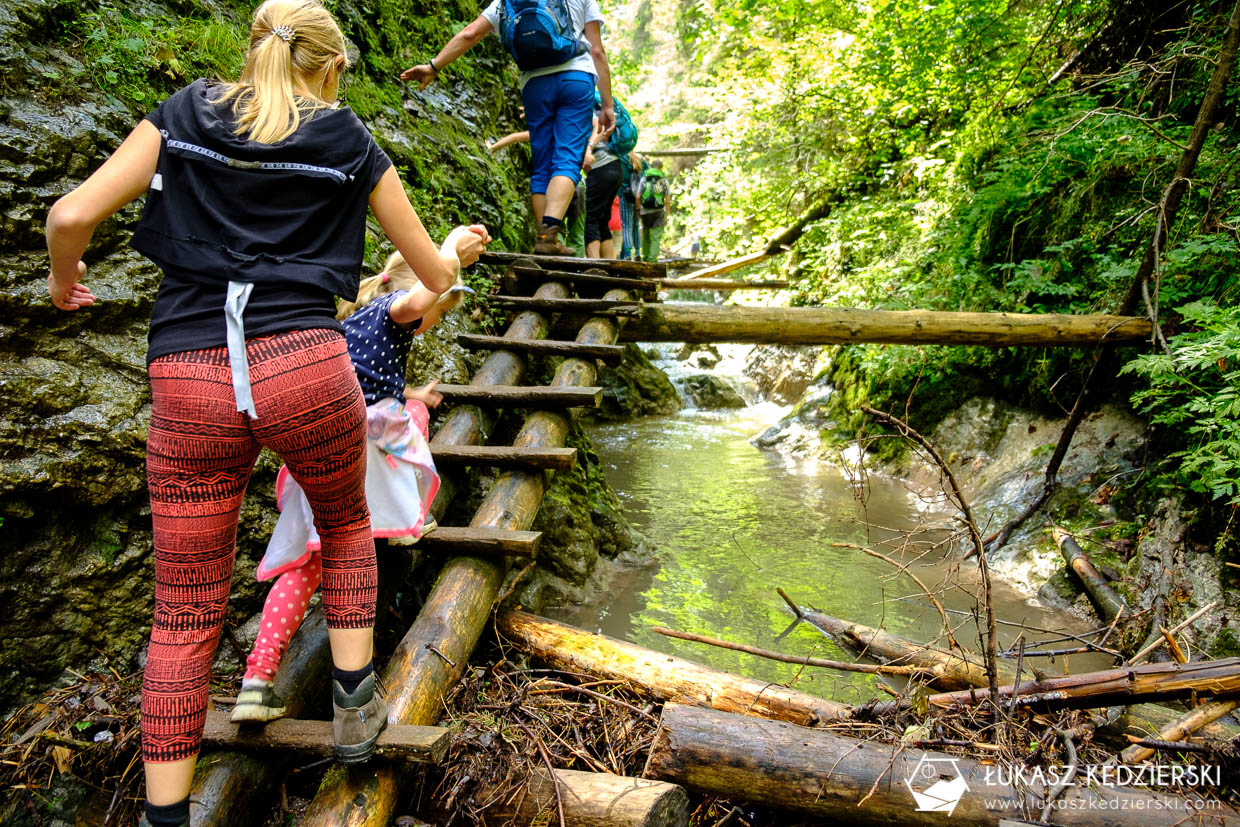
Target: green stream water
731	523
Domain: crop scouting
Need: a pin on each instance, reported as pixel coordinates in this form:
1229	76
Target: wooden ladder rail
229	786
456	612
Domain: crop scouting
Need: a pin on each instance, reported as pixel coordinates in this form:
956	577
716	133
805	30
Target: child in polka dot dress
401	481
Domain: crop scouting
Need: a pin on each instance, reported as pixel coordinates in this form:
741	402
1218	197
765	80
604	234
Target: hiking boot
357	719
143	822
547	242
257	702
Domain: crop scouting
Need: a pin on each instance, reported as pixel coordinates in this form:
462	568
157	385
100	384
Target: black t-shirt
289	217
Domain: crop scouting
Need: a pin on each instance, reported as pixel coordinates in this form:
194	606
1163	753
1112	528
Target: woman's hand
422	74
426	394
468	243
70	294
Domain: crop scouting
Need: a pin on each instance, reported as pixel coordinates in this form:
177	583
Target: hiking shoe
357	719
547	242
428	526
143	822
257	702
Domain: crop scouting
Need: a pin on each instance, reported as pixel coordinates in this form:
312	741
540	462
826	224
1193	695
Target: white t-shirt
582	12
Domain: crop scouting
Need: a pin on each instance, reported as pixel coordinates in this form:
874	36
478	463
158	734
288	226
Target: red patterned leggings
199	456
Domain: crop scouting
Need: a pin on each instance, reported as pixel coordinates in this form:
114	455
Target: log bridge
615	301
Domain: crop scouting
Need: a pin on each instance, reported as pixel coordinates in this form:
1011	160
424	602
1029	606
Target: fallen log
435	650
1181	728
595	799
884	647
829	326
729	266
422	744
1105	599
819	774
947	670
1087	690
664	676
724	285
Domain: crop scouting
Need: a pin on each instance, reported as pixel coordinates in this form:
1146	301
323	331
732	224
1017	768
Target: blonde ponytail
288	39
396	275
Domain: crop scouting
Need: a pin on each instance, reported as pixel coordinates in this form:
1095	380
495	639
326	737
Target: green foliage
1194	392
140	59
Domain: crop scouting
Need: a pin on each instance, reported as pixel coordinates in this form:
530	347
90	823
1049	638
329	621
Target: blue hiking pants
559	110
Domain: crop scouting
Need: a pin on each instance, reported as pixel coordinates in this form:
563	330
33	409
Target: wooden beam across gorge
609	354
522	396
834	326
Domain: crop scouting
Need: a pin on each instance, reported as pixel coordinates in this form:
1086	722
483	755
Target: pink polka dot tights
282	614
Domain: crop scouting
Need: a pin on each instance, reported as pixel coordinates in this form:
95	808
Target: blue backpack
539	33
624	136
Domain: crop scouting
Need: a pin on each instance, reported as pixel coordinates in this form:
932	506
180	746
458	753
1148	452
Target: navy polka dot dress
379	348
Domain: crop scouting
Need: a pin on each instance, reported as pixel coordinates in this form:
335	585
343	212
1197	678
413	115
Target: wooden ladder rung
423	744
596	306
462	540
638	284
634	269
505	456
523	396
609	354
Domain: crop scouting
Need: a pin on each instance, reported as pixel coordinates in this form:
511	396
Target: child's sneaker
257	702
358	718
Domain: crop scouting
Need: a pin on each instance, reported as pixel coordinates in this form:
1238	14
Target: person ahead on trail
256	214
558	45
401	479
653	200
630	178
603	182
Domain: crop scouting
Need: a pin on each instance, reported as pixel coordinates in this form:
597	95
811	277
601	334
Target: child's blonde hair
396	275
286	35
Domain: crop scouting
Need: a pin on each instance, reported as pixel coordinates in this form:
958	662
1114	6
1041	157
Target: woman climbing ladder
256	214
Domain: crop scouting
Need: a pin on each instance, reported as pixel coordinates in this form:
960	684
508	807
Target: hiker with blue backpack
558	45
604	179
653	201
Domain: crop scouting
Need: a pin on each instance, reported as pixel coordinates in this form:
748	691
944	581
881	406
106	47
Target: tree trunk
1105	599
664	676
816	773
951	670
596	799
832	326
455	613
1181	728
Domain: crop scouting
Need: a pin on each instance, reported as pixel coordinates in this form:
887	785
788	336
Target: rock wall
75	576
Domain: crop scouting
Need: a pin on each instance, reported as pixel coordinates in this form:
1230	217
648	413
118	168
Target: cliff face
75	576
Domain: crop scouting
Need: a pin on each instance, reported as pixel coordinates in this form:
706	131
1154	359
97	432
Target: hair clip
284	32
386	278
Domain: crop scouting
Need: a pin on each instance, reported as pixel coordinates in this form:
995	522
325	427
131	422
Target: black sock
168	815
350	678
552	221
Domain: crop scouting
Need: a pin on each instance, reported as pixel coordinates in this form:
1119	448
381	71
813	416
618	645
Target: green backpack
653	189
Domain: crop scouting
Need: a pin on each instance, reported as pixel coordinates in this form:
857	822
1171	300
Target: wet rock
805	429
583	527
782	373
709	392
636	388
